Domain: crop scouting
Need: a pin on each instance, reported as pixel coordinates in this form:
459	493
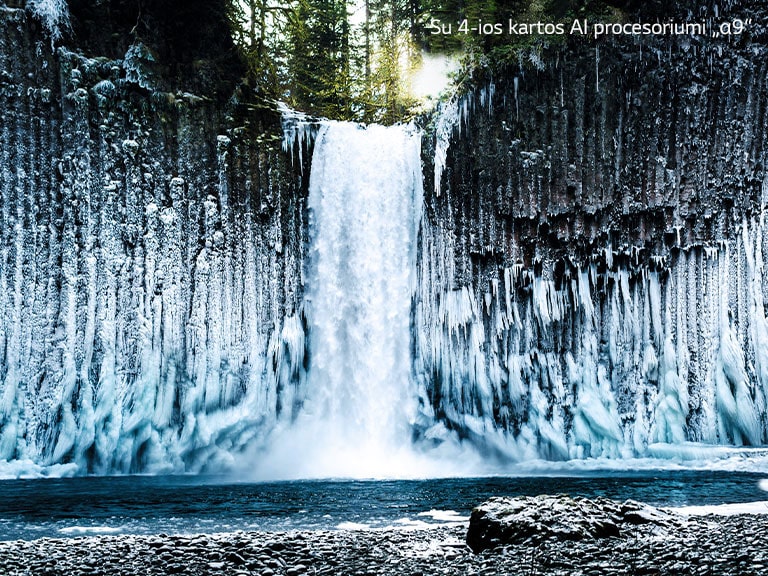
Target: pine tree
319	62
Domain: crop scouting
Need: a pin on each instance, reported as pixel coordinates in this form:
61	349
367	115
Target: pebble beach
703	545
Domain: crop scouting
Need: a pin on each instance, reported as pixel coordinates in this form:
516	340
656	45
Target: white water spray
365	202
365	196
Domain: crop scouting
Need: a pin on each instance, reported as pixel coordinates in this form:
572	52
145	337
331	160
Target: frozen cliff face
591	277
586	278
53	14
150	266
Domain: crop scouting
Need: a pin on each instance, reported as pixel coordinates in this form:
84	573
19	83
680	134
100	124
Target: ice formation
601	364
148	300
529	345
171	300
451	116
54	15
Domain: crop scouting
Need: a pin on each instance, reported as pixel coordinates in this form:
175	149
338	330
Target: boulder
532	519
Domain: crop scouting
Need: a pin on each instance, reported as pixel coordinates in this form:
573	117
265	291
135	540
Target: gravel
701	546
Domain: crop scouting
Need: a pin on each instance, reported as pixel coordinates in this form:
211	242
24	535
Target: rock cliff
150	261
592	262
590	258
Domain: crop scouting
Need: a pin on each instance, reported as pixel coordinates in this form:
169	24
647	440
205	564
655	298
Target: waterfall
354	415
365	196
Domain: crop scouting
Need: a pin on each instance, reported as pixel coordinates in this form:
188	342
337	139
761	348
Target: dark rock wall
622	143
150	256
592	261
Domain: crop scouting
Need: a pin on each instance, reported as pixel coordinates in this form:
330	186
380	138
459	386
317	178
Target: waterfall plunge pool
67	507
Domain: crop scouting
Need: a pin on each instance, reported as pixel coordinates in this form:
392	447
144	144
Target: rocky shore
701	546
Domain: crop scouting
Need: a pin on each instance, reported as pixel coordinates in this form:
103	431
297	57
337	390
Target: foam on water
88	530
353	526
28	469
724	509
448	516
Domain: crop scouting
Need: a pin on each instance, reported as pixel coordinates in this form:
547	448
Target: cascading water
358	404
365	197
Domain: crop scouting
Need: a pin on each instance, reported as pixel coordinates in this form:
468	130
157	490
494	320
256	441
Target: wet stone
711	546
235	558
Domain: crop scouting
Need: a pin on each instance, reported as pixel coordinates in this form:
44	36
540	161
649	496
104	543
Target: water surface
64	507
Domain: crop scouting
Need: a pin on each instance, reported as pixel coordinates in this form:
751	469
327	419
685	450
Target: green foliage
319	60
500	49
257	28
388	51
347	60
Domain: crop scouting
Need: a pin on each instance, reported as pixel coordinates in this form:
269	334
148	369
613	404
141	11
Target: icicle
298	131
516	83
597	69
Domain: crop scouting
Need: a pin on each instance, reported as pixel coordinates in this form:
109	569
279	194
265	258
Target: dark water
186	504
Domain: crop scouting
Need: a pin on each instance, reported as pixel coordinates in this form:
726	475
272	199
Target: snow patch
760	507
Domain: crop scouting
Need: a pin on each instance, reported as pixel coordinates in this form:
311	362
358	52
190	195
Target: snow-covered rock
530	519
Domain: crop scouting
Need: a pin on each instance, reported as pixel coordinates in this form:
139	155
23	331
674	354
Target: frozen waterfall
529	349
415	368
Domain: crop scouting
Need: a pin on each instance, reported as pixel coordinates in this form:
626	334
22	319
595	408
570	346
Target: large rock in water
504	520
